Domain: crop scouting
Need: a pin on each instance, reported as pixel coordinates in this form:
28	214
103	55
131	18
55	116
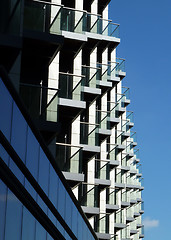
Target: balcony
119	220
70	95
121	67
112	200
69	22
136	156
112	155
120	104
133	138
101	226
102	173
129	215
119	141
129	149
104	124
112	72
124	163
88	197
139	170
89	139
42	104
104	84
125	200
90	83
126	93
125	128
141	233
141	211
113	114
69	160
120	181
130	118
95	26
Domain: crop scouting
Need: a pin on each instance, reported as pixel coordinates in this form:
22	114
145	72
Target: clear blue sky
145	30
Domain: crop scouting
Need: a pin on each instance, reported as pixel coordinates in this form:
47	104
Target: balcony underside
12	45
114	163
111	208
119	225
90	211
48	129
103	183
103	134
73	178
105	236
69	109
129	219
39	50
125	204
90	94
133	232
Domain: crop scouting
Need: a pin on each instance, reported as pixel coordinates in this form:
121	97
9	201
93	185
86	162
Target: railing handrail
72	74
38	86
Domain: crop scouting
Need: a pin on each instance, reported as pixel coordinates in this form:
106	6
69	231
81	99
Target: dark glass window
3	192
28	225
19	133
44	172
6	111
13	217
32	155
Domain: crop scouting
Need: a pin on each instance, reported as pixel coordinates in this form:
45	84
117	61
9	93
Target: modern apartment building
61	58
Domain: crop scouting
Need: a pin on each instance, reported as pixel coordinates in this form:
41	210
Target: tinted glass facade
34	202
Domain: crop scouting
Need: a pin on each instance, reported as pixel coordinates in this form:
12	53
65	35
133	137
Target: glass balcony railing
133	136
120	176
37	17
88	195
142	206
113	109
73	20
125	125
119	137
112	196
120	65
95	24
41	102
112	152
68	157
70	86
130	212
113	69
54	18
133	165
124	160
89	134
130	116
92	76
120	101
139	167
129	148
102	169
125	233
136	153
141	230
102	119
125	196
103	71
140	181
119	217
131	180
126	92
101	224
